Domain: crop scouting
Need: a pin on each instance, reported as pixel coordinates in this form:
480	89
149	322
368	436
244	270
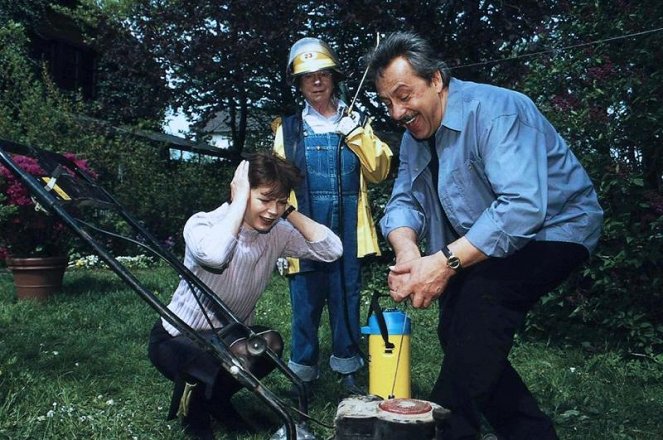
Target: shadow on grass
104	281
96	282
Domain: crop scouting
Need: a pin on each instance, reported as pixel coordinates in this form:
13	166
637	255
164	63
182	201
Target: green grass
76	367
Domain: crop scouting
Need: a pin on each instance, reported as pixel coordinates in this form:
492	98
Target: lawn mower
70	193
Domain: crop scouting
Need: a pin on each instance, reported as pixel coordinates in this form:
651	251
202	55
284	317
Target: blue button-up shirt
505	177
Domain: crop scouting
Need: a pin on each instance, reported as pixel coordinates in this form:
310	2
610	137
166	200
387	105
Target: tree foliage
231	56
25	11
605	99
205	56
161	192
130	86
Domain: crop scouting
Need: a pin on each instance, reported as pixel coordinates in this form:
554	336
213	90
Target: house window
72	67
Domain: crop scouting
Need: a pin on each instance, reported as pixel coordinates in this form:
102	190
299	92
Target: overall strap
293	147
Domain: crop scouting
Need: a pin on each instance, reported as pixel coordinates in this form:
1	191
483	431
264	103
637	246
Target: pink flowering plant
27	230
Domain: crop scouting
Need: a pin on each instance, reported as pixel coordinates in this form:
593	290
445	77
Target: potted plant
33	242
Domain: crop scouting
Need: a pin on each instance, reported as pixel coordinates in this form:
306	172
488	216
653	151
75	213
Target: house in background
58	42
218	131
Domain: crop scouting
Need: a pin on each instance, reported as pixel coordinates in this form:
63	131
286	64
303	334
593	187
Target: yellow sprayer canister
389	354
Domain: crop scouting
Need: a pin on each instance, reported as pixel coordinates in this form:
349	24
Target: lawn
76	367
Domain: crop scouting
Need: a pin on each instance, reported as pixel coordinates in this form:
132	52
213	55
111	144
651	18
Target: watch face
454	263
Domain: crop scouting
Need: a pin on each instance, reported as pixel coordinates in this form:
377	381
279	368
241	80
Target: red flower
25	230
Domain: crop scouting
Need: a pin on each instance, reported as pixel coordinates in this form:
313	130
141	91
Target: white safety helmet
309	55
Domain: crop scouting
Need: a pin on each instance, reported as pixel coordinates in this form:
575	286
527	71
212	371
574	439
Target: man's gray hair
417	51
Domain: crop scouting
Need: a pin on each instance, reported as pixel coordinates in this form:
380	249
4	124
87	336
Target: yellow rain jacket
375	158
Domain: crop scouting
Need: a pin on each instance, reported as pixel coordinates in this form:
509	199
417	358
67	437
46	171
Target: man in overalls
339	153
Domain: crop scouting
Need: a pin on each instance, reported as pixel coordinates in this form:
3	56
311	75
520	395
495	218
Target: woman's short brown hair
267	169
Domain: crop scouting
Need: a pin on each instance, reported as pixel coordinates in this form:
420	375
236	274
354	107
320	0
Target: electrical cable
197	295
558	50
303	414
400	350
196	292
339	188
346	303
205	305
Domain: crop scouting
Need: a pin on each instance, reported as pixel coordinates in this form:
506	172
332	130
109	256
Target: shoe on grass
350	387
227	416
198	426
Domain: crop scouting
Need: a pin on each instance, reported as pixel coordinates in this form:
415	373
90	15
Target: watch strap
446	252
453	262
287	212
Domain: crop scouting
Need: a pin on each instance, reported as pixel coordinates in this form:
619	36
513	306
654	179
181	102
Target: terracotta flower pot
37	277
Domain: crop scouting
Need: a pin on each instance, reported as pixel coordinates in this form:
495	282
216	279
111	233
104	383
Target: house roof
219	124
170	140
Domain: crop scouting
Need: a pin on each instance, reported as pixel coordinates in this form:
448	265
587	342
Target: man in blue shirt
505	212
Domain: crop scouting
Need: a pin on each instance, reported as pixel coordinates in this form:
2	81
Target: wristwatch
287	212
453	262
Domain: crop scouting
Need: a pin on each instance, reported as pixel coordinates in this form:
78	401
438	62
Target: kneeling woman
233	250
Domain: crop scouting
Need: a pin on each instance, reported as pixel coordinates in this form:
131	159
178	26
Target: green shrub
604	99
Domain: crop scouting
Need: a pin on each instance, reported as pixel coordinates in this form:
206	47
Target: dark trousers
179	359
480	312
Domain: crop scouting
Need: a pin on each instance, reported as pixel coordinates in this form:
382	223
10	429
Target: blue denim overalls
310	290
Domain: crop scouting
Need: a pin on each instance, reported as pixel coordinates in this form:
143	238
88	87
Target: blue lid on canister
398	323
